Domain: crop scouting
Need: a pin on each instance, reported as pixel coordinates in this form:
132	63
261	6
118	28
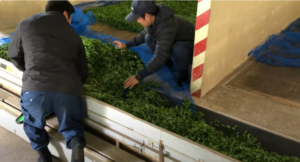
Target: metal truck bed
135	134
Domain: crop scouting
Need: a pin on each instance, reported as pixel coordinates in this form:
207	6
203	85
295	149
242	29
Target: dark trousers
180	60
70	111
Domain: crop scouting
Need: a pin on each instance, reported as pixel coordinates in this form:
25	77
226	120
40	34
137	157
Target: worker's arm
15	50
139	39
162	52
82	67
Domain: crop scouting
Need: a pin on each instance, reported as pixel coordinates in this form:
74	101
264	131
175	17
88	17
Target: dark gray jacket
50	53
167	29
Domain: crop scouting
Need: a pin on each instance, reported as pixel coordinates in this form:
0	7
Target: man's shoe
45	155
77	145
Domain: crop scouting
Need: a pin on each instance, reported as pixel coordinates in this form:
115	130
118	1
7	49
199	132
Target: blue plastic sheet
4	40
281	49
80	22
94	4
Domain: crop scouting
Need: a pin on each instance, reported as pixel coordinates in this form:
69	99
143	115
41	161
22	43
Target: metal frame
149	139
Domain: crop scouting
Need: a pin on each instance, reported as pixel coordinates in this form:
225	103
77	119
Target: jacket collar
164	13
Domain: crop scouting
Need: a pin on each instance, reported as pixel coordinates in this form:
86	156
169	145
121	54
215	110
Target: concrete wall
236	27
12	12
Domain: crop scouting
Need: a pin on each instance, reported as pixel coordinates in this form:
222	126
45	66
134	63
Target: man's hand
119	44
130	82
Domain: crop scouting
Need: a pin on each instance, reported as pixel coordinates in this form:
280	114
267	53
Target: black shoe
45	155
77	145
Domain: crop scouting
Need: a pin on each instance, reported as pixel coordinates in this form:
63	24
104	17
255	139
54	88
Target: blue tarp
4	40
281	49
81	22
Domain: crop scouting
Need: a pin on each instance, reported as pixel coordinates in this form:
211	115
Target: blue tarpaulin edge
282	49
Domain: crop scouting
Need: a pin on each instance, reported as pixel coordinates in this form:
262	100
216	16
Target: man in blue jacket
53	60
170	38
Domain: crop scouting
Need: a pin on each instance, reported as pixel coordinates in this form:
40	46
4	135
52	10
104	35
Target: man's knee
182	53
183	48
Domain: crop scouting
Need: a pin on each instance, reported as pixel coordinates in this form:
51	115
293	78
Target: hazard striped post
201	33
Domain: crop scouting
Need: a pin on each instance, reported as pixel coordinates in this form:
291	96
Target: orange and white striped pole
201	33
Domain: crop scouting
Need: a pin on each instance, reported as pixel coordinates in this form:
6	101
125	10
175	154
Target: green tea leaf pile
109	67
114	15
3	51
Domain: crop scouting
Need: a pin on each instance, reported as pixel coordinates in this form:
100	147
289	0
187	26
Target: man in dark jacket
170	38
52	57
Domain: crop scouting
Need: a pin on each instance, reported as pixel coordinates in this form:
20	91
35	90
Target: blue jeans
180	60
70	111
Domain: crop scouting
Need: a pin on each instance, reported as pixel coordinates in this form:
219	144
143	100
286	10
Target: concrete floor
98	27
13	148
120	34
278	83
266	111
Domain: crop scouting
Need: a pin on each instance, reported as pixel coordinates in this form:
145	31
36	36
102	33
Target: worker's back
51	52
53	59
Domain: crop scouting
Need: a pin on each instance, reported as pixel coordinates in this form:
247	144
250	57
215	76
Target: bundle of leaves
114	15
109	67
3	51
